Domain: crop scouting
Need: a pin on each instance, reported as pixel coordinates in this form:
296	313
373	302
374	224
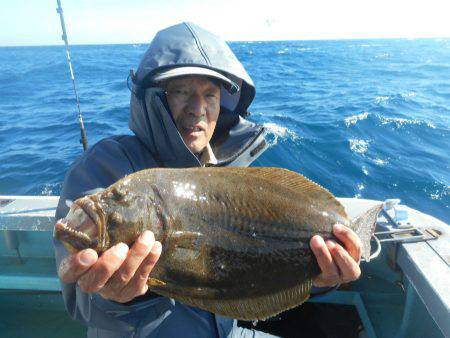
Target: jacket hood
187	45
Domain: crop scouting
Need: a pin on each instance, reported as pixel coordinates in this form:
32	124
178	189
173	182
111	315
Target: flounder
235	241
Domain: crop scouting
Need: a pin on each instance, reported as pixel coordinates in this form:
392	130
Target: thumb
74	266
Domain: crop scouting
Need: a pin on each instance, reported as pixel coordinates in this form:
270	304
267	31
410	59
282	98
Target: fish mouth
79	230
72	239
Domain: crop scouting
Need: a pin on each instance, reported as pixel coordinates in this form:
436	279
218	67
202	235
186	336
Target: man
188	107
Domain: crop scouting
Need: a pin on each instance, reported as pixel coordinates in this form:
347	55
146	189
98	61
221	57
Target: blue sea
363	118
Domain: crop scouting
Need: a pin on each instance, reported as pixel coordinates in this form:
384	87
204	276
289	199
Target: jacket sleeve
102	165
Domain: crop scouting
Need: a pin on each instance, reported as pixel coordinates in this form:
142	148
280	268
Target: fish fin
154	282
364	226
186	239
297	183
256	308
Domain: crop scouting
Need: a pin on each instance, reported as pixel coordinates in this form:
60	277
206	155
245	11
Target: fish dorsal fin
295	182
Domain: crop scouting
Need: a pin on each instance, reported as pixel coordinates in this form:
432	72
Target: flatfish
235	241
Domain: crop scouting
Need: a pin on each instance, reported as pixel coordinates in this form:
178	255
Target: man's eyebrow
182	85
177	85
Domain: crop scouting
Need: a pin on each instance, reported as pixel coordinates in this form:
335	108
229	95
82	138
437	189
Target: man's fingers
137	253
338	265
350	239
138	284
323	256
104	268
74	266
149	263
349	269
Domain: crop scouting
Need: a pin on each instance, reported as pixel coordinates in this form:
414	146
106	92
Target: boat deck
414	290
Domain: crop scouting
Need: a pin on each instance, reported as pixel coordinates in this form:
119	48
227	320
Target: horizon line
237	41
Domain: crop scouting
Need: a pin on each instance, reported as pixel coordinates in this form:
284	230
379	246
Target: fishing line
83	139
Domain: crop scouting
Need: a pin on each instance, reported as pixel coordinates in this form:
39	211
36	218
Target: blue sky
35	22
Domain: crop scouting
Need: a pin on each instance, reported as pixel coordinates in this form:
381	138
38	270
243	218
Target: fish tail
364	226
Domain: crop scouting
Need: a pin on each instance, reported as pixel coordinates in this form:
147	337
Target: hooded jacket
157	143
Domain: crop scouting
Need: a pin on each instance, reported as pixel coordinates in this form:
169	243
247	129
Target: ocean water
363	118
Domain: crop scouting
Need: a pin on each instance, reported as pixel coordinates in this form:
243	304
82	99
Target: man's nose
196	105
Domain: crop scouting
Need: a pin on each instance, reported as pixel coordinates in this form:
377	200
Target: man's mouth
193	129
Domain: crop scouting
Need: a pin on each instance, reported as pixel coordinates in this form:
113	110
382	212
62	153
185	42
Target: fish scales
235	240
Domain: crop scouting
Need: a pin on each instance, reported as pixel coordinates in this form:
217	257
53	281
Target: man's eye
180	94
211	98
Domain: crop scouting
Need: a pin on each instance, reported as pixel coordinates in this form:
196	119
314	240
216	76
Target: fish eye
119	194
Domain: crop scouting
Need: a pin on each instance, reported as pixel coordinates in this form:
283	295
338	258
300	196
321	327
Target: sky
35	22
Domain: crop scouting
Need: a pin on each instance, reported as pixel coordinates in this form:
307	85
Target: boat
403	292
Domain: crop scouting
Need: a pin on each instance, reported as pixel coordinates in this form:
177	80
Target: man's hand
338	264
120	274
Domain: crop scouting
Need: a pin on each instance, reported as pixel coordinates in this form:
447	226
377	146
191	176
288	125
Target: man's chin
196	149
196	146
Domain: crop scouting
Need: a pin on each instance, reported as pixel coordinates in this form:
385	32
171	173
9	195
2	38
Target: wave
408	95
381	99
283	51
399	122
352	120
359	146
359	188
379	162
395	99
50	189
364	170
275	131
379	120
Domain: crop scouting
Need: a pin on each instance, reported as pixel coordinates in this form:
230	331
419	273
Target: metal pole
83	139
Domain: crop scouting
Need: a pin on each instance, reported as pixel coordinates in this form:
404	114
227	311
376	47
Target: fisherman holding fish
189	104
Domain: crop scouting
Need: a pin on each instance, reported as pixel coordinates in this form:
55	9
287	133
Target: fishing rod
83	139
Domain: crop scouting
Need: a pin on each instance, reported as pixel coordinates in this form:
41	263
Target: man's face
195	105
